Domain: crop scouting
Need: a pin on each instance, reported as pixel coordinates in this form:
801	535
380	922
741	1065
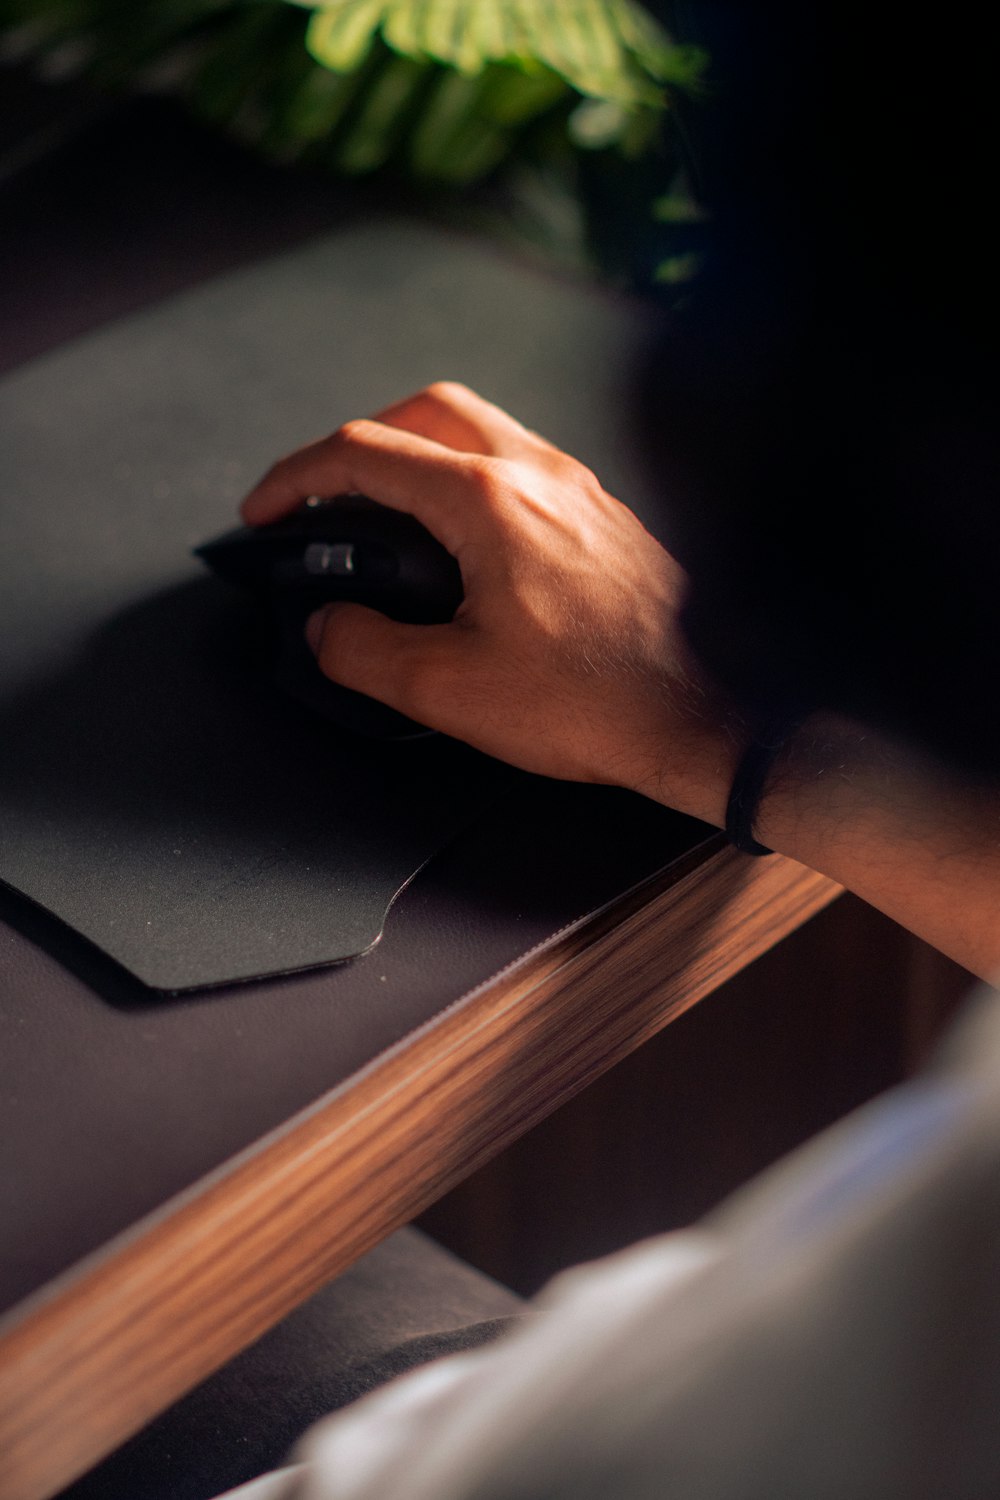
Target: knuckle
447	392
488	475
357	431
495	489
570	470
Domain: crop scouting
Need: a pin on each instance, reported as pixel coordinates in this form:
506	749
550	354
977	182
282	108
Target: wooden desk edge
212	1271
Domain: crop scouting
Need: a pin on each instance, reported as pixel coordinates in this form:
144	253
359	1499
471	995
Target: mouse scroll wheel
330	558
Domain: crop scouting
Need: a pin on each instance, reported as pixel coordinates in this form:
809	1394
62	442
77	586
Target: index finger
452	414
400	469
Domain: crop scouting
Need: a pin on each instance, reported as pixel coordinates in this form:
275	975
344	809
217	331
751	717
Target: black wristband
748	784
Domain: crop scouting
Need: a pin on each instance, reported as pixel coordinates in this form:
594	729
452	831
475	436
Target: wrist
694	752
750	779
894	826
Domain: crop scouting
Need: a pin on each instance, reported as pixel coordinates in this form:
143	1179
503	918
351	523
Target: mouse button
330	559
345	517
362	519
335	569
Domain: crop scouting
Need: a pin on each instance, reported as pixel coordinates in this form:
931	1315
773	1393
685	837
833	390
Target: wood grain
87	1363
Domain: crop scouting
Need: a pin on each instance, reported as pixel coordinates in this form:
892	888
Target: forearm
918	842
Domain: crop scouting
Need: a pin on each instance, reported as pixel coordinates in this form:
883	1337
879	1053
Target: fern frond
339	36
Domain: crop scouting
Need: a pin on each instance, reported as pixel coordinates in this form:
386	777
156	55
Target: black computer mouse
347	548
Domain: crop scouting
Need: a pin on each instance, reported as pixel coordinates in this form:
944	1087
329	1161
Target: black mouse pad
157	793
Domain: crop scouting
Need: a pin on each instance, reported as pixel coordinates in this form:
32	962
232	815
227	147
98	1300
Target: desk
183	1173
103	1346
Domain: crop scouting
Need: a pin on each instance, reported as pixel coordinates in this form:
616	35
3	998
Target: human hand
565	657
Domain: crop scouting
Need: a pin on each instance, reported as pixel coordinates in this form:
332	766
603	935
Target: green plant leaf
446	90
449	35
493	36
449	112
605	49
678	206
596	124
512	96
603	45
340	35
591	55
576	39
374	134
401	27
640	33
676	270
654	49
451	31
320	104
449	103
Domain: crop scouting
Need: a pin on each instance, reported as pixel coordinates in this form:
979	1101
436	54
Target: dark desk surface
180	1172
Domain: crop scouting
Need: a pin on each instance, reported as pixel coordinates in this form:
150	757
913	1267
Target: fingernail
314	627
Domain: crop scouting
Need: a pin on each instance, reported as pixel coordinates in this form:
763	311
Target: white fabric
832	1331
271	1486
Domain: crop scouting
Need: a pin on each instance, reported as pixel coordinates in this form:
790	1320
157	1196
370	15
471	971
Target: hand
565	657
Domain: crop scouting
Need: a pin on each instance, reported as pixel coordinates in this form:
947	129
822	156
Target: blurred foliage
558	115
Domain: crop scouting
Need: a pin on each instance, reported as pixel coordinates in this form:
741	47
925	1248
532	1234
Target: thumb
402	665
